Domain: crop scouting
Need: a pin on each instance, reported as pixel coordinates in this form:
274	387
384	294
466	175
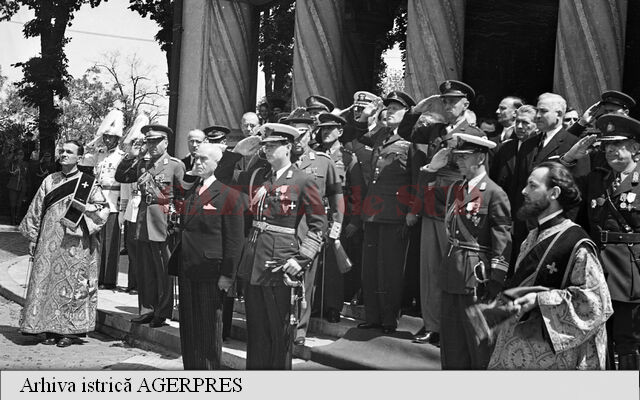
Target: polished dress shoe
157	322
143	319
428	337
50	341
299	341
65	342
388	329
368	325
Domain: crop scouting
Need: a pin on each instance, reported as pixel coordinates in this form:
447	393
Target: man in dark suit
478	221
552	142
503	169
212	233
194	139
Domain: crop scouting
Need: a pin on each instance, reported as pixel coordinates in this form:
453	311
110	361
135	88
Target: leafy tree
89	101
45	76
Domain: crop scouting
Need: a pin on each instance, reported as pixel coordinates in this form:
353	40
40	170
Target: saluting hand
590	114
438	161
425	105
580	149
248	146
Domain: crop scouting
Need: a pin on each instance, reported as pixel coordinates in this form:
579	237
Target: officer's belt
110	187
608	237
150	200
264	226
469	246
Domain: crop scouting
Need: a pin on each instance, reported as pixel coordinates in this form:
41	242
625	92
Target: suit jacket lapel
195	202
553	144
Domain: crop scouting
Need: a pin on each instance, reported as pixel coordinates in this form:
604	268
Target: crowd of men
528	228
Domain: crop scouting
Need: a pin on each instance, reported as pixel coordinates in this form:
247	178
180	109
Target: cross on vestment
552	268
84	185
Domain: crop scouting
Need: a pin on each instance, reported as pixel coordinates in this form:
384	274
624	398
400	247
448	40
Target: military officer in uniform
455	97
478	222
318	166
612	198
611	102
158	176
384	212
281	196
332	283
217	134
318	104
106	163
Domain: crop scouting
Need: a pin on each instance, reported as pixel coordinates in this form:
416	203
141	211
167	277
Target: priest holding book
562	327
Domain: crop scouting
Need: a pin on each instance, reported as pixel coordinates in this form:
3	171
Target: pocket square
209	207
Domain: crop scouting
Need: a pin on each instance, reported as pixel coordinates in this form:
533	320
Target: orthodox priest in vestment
62	224
559	315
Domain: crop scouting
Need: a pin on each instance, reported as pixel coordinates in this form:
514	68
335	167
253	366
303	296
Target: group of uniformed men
323	180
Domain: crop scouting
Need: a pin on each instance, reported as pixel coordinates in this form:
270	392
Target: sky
107	28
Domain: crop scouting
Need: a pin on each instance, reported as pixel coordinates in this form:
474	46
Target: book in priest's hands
486	318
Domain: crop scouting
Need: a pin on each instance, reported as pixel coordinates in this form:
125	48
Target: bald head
206	159
249	121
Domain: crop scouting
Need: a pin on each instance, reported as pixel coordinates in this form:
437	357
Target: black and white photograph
318	186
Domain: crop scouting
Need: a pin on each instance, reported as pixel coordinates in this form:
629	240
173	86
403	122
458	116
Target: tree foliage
89	101
275	48
17	120
45	77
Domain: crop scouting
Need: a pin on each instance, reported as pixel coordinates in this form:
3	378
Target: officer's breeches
109	251
155	286
383	256
459	347
433	246
268	345
623	327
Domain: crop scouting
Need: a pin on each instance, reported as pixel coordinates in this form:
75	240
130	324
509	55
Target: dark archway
509	49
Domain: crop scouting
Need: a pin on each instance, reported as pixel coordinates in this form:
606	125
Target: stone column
317	51
218	74
589	49
435	42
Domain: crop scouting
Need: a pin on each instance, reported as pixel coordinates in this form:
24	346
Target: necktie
543	138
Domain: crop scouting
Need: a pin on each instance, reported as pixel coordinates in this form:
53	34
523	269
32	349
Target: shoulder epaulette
172	158
322	153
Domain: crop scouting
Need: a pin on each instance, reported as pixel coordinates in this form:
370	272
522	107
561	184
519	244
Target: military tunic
278	206
160	183
350	175
105	170
384	210
617	234
478	226
321	168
